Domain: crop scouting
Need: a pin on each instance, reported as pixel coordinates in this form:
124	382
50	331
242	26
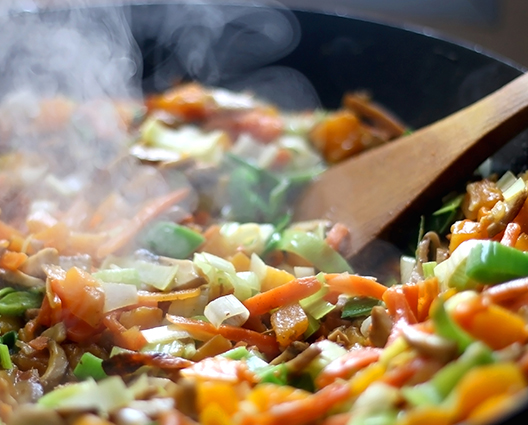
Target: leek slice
315	250
451	273
5	358
227	309
119	275
104	397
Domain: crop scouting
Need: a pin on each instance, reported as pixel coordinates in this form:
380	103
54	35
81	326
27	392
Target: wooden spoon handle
368	192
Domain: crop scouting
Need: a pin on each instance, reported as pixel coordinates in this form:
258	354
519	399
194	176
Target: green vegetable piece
237	353
157	275
445	379
315	250
125	275
446	327
90	366
491	262
9	339
358	307
441	219
172	240
436	390
16	303
5	358
275	374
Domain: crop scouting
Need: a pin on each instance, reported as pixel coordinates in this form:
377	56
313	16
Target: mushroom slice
34	264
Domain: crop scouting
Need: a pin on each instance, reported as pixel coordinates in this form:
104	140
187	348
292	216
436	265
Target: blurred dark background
499	26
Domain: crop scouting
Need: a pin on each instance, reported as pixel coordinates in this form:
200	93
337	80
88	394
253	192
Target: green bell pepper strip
90	366
5	358
313	249
491	262
446	327
15	303
172	240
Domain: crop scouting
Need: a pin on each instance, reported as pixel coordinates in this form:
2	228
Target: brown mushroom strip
430	345
361	104
300	362
381	326
17	278
57	365
129	362
35	414
34	263
292	351
503	212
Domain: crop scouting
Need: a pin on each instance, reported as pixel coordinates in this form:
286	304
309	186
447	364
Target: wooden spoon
370	191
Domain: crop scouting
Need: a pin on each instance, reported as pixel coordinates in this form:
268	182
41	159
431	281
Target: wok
303	59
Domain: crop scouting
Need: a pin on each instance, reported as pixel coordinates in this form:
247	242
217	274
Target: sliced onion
227	309
302	271
118	295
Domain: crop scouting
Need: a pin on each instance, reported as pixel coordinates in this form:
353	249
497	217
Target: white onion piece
301	271
227	309
118	295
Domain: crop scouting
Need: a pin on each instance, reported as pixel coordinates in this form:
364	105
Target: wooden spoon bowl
369	192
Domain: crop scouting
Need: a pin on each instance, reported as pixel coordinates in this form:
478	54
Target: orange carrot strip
507	291
412	294
144	215
286	293
131	339
220	369
201	330
428	293
398	306
150	297
351	284
11	260
7	231
336	235
344	366
306	410
339	419
511	234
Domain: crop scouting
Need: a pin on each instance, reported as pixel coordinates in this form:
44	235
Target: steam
66	72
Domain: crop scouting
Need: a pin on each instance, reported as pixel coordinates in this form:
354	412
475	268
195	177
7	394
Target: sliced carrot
412	294
398	306
305	410
82	296
429	290
204	331
337	234
7	231
345	366
494	325
289	323
11	260
463	230
339	419
354	285
511	234
220	369
131	339
287	293
144	216
506	292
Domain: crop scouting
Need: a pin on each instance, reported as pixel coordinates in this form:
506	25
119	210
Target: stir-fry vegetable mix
167	284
